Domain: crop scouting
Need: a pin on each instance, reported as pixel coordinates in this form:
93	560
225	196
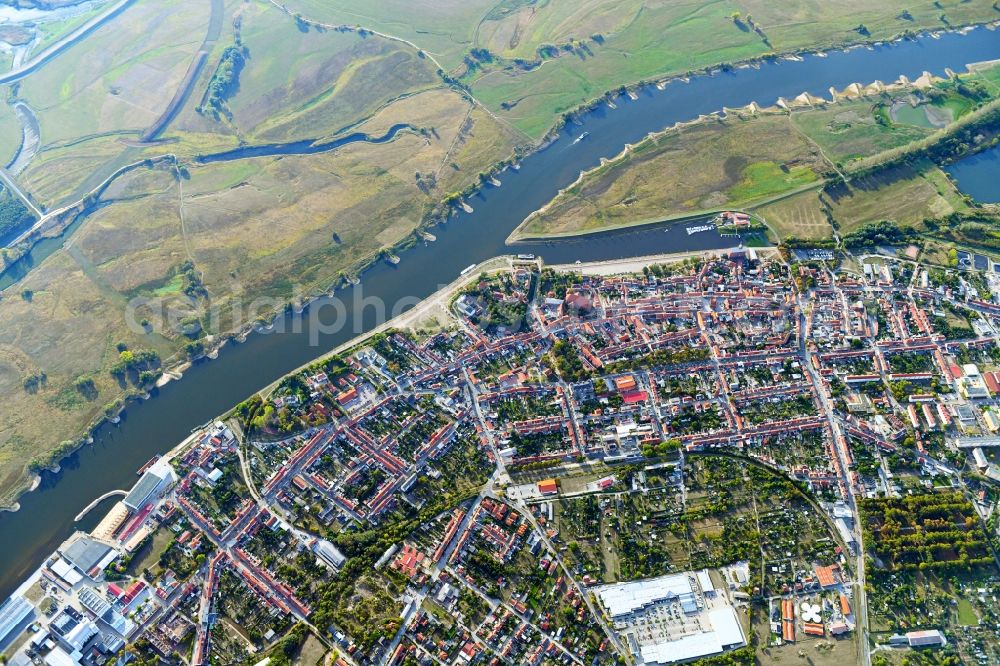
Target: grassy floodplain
10	134
118	80
706	166
775	163
850	130
906	195
445	28
801	215
252	226
547	57
321	83
205	233
107	89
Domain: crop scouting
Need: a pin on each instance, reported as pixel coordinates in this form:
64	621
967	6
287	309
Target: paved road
594	611
49	216
12	185
418	601
839	446
64	43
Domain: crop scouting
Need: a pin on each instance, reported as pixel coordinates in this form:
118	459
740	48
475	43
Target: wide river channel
210	388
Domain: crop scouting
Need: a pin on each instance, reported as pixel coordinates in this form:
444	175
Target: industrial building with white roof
705	623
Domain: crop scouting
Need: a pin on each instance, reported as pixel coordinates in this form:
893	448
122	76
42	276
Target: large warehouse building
692	618
13	614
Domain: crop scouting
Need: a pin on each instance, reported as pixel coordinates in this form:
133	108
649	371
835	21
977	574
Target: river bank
544	223
791	55
210	387
23	69
636	264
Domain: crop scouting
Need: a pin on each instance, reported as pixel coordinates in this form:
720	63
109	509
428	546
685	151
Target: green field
966	613
59	174
106	89
849	130
10	134
798	23
635	39
319	84
650	41
445	28
707	166
904	195
989	75
263	226
800	216
118	80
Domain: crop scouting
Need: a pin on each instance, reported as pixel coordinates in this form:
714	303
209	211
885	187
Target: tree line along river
210	388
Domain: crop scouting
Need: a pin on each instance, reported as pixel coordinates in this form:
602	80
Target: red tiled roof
632	397
347	396
827	575
548	486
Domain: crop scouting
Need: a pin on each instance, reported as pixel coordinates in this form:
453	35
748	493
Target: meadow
700	168
905	195
509	70
10	134
104	91
648	40
800	216
320	84
61	175
802	23
544	58
850	130
249	226
119	80
444	28
774	164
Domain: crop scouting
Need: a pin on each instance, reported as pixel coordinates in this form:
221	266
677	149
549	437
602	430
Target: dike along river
210	388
